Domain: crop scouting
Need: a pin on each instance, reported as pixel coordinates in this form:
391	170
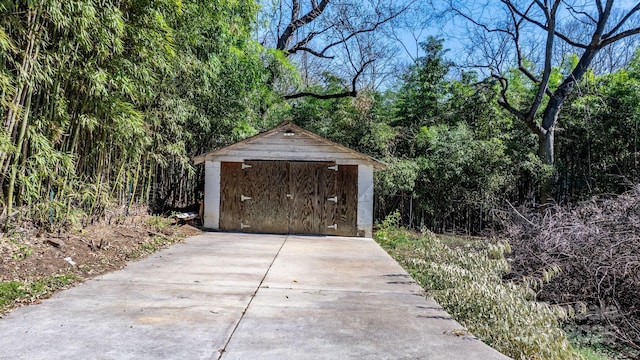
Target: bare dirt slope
28	255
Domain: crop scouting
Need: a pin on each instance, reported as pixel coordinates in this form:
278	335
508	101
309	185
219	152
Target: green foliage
590	354
467	282
152	245
45	286
284	74
597	146
109	100
389	234
421	93
591	349
157	223
400	176
456	154
12	292
358	123
458	169
22	251
9	292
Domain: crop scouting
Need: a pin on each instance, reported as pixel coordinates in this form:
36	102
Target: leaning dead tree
532	37
341	38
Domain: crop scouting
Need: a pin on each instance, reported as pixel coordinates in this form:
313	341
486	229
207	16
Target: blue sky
454	30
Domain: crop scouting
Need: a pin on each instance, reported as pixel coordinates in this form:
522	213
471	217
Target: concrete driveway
243	296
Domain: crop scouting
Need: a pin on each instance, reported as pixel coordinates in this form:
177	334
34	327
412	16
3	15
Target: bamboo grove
104	102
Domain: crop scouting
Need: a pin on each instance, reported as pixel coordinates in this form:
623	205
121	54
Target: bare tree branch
404	45
543	7
546	15
516	40
543	26
311	51
503	100
295	10
477	23
620	36
321	96
546	73
353	92
599	5
355	33
622	22
302	45
573	10
373	27
296	23
602	23
330	30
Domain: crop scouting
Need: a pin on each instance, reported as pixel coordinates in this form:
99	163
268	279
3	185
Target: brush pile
596	245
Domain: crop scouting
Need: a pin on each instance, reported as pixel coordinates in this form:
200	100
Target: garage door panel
264	187
327	198
304	202
347	207
230	190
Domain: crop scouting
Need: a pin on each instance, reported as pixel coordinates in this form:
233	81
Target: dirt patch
26	255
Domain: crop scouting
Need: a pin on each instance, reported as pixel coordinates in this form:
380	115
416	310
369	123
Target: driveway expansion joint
253	295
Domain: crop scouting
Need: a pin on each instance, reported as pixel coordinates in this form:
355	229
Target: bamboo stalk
98	188
135	186
115	183
149	168
14	168
5	158
21	96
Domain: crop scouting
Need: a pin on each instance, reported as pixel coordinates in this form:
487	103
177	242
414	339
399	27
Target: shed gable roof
288	141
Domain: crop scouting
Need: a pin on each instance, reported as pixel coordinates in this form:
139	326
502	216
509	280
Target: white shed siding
289	143
211	217
291	157
365	200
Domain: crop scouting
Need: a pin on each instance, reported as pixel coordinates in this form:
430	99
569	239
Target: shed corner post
365	201
211	217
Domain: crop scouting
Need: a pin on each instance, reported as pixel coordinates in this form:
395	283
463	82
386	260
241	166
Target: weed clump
17	292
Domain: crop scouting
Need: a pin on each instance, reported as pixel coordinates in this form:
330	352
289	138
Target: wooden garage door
312	196
265	208
288	197
347	206
230	192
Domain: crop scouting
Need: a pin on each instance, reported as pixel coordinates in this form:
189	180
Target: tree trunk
546	150
545	146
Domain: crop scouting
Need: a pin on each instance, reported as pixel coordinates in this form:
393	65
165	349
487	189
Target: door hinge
334	226
334	199
245	166
243	198
244	226
334	167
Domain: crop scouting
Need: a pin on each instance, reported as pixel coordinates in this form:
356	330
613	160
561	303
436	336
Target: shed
289	180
